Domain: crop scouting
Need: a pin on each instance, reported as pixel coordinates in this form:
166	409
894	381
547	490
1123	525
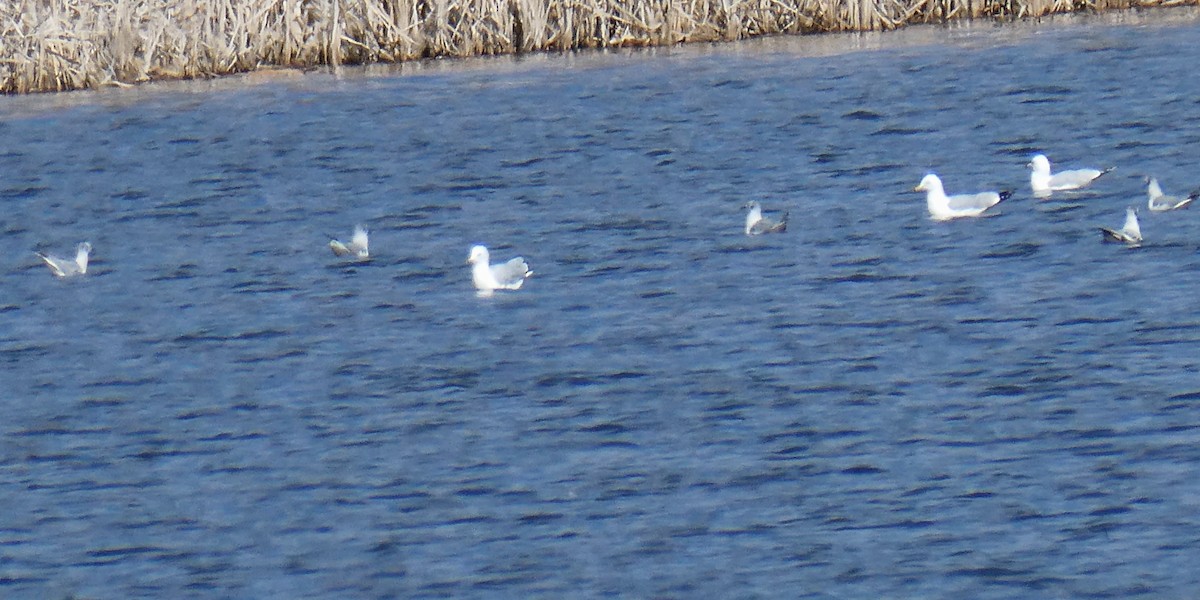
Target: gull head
81	255
1153	190
479	255
360	242
1131	228
755	211
929	183
753	216
1039	178
1040	164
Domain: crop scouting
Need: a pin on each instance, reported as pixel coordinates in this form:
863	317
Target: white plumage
65	267
943	207
1130	234
505	276
1043	182
358	246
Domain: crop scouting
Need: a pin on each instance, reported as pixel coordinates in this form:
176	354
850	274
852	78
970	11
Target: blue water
870	405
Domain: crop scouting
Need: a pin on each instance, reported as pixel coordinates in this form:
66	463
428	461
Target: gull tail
1005	195
1112	235
1189	199
782	226
1104	172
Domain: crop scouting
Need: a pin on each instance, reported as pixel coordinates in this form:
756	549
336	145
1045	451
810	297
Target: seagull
1130	234
65	267
1043	183
1158	201
506	276
756	224
943	207
357	245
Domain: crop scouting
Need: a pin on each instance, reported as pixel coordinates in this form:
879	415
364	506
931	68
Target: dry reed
50	45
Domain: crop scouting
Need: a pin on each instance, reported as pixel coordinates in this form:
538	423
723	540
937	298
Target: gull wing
512	274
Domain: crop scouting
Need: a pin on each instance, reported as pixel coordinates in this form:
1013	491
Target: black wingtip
1105	172
1005	195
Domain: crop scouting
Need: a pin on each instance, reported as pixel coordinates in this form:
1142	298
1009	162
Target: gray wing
1076	178
973	201
1165	202
511	274
765	225
1112	235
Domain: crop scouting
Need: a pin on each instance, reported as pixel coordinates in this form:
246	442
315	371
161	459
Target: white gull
1130	234
757	224
357	246
505	276
1157	201
1043	182
65	267
943	207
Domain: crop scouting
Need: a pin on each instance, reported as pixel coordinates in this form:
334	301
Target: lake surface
873	404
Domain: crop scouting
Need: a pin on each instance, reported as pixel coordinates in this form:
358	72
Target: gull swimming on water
357	246
756	224
506	276
65	267
943	207
1043	183
1130	234
1158	201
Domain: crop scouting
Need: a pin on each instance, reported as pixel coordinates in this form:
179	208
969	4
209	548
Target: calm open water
872	405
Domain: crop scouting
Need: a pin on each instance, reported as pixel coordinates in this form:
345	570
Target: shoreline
51	45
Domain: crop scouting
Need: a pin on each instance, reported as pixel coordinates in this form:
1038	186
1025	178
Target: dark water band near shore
57	45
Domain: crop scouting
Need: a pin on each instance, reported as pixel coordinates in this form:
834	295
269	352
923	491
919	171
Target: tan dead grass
51	45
